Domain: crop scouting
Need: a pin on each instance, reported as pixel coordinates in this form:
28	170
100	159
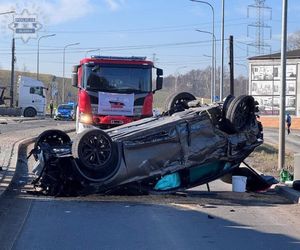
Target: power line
146	30
117	48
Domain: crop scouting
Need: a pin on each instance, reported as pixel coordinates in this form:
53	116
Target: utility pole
12	73
281	151
231	65
12	64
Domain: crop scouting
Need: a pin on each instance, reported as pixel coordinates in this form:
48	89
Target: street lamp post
281	149
91	50
214	43
64	55
213	61
38	55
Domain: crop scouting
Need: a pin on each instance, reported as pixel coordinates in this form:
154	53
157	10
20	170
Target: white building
265	84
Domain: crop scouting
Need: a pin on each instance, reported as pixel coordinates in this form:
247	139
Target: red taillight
147	107
84	102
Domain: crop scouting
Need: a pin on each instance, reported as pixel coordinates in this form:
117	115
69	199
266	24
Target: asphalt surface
292	141
101	225
10	124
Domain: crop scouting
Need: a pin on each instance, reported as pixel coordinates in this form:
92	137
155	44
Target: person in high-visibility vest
51	108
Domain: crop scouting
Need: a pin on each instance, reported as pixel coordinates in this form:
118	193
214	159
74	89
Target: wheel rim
182	102
241	115
96	151
29	112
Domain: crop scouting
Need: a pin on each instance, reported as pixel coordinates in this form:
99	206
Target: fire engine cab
114	90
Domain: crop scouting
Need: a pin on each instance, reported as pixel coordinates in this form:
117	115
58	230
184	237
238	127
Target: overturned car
189	145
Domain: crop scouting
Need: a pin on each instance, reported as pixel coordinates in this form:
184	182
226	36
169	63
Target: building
265	82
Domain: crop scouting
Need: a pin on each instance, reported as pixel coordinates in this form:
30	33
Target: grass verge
265	159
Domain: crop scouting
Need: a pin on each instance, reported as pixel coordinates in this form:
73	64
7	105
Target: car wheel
30	112
52	137
96	154
226	105
178	102
241	112
296	185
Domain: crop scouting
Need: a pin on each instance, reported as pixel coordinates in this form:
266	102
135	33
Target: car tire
296	185
226	105
96	154
178	102
30	112
52	137
241	112
225	125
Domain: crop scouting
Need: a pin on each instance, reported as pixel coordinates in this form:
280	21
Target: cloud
66	10
114	5
55	11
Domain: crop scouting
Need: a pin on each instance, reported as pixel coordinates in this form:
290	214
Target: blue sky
160	29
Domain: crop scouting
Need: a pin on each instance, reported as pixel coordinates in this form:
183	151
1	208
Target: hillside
49	80
196	82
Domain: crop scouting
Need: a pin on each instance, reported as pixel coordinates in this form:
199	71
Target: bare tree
198	82
294	40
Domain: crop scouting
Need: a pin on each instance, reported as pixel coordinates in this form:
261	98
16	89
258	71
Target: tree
198	83
294	40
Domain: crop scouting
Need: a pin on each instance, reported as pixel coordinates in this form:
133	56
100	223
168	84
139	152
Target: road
10	124
193	220
292	142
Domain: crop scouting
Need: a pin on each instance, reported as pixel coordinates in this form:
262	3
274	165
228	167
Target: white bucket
239	183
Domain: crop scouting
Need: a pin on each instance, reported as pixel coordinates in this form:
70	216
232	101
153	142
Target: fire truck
114	90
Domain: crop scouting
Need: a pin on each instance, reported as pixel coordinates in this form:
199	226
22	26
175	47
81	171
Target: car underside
188	145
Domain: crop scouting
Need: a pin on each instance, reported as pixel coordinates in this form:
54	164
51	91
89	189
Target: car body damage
187	146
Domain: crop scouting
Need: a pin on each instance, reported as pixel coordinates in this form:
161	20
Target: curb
289	193
12	169
10	172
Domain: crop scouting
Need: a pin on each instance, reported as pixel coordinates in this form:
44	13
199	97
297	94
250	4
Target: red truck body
114	90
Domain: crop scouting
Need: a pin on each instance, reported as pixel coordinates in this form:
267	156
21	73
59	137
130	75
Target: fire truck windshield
117	79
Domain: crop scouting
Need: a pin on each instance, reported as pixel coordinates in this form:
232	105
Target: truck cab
114	90
31	96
